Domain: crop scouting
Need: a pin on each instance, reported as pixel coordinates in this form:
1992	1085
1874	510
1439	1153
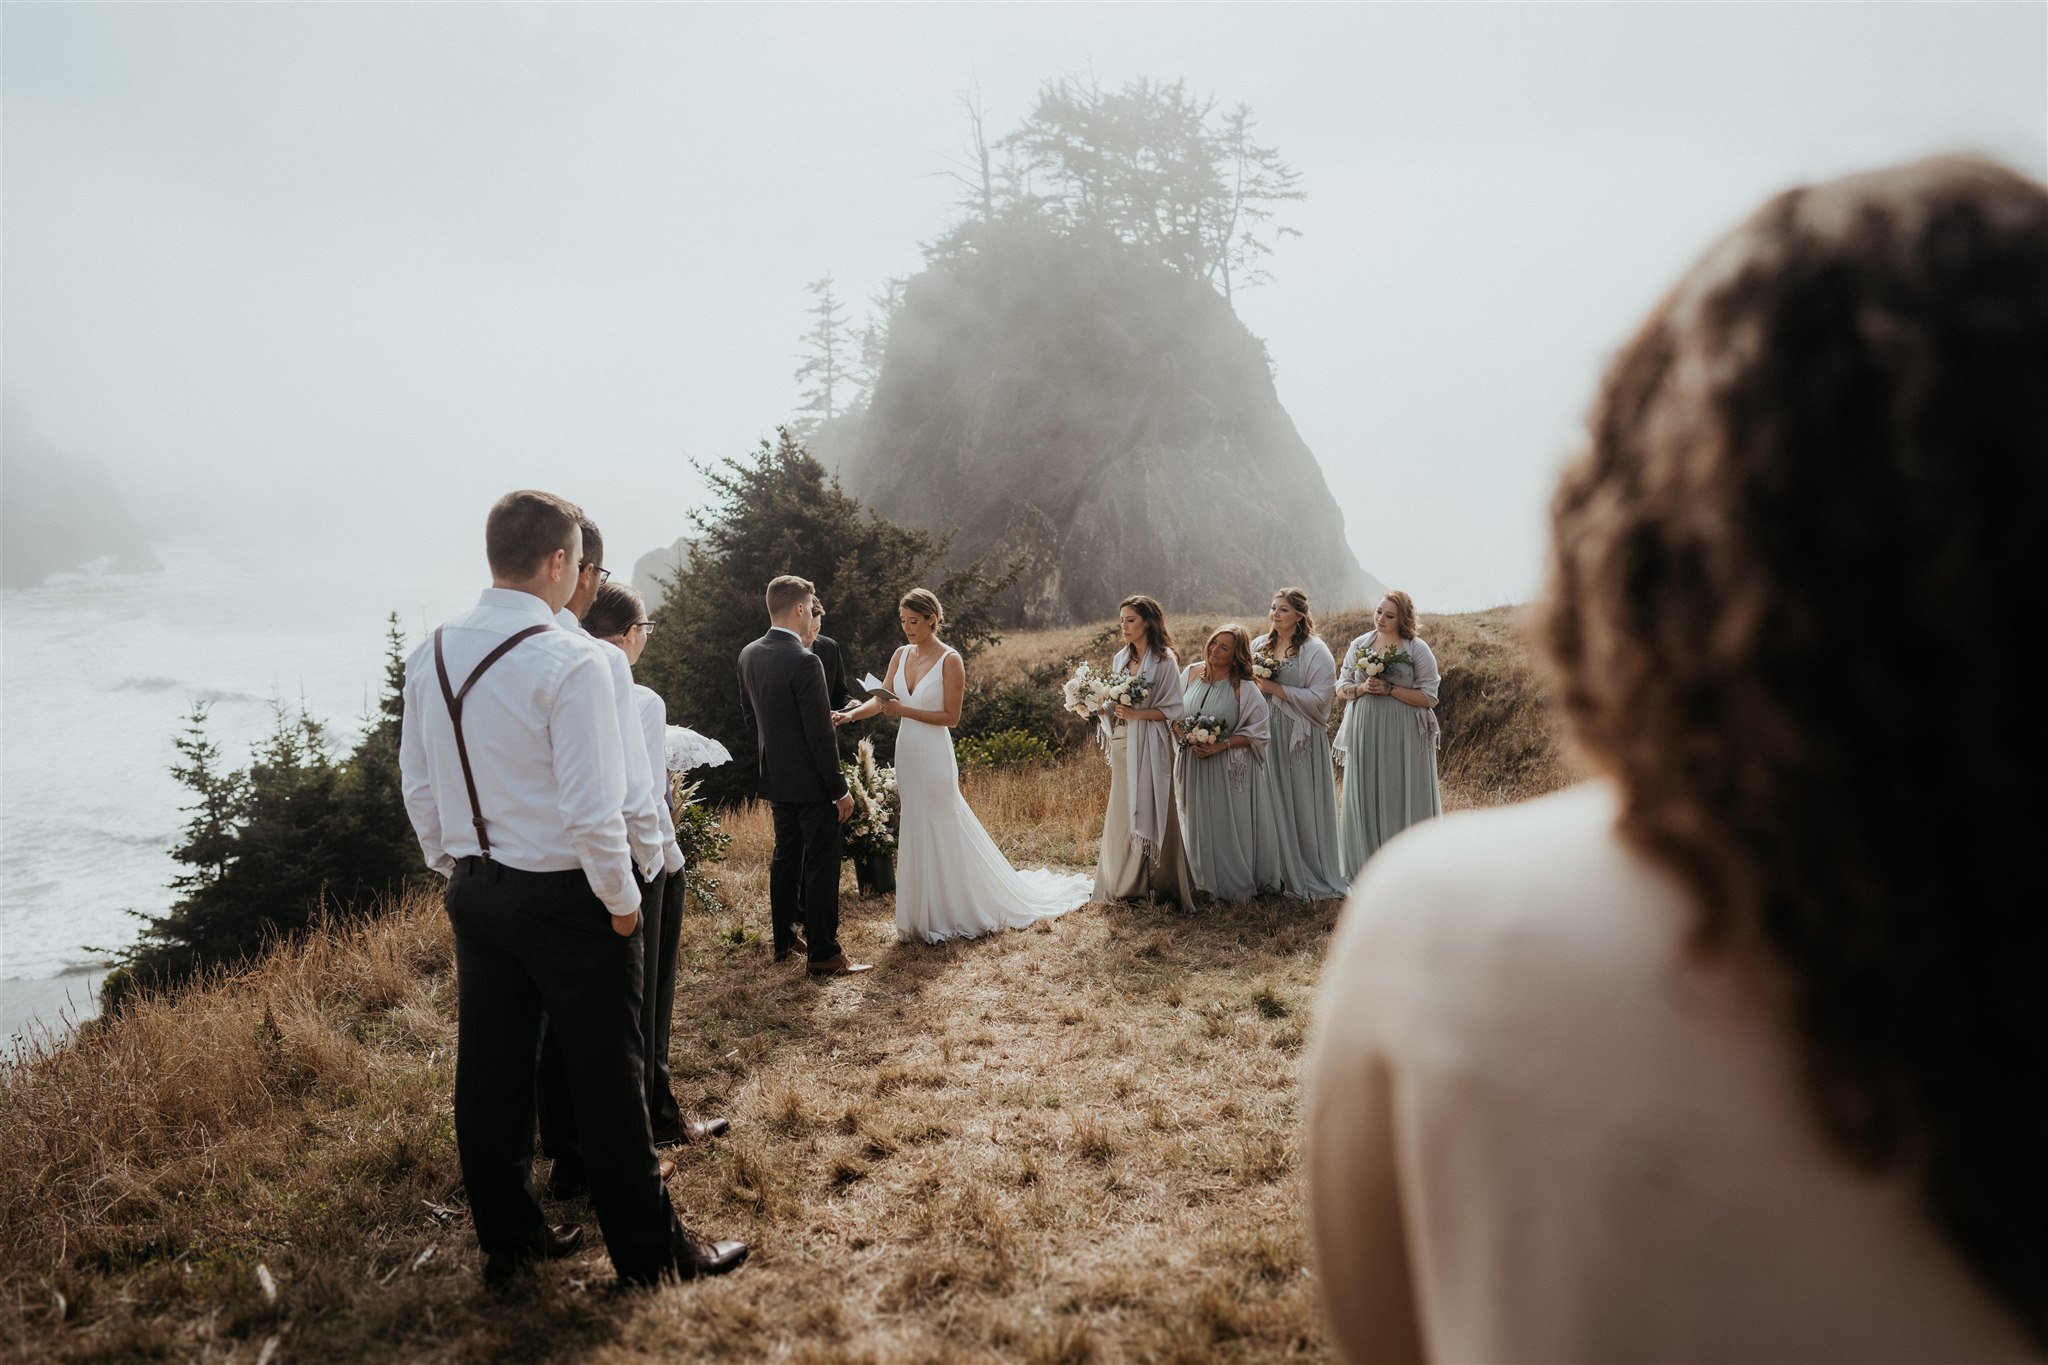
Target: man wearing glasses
644	833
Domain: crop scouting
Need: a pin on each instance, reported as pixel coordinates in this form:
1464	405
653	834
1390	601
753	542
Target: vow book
875	687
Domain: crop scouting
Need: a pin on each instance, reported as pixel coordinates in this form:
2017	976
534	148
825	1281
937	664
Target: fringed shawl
1308	705
1151	749
1251	723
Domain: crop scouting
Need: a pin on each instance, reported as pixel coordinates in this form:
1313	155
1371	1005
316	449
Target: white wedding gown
951	879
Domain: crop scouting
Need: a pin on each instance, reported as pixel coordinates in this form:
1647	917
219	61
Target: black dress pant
662	1110
534	943
803	879
559	1130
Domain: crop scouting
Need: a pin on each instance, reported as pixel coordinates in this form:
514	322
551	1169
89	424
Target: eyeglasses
647	626
604	575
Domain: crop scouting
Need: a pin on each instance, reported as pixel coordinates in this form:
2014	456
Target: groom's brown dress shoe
695	1259
664	1168
548	1244
691	1130
839	966
799	947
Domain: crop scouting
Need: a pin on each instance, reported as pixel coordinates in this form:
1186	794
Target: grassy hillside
1072	1144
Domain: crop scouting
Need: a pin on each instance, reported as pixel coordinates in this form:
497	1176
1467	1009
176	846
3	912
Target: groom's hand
624	925
845	807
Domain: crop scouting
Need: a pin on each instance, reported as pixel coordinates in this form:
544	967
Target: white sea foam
96	675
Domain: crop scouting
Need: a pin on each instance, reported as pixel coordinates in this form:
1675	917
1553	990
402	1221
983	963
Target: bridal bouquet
1125	689
1265	663
870	830
1203	730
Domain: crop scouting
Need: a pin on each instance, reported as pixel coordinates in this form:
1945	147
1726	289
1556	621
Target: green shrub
1005	749
1018	707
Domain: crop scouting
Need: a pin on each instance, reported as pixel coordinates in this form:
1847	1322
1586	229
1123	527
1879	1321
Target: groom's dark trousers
783	695
534	943
803	878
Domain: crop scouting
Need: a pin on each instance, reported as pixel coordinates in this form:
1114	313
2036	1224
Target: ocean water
97	673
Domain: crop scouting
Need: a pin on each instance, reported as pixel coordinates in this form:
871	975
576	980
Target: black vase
875	873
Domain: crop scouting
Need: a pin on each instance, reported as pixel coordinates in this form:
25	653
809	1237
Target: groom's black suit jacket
783	694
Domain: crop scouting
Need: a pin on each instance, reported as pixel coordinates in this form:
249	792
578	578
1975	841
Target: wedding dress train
951	879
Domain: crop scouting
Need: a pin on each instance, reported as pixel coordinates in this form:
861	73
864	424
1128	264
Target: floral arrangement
1370	663
1203	729
1265	663
870	830
1089	694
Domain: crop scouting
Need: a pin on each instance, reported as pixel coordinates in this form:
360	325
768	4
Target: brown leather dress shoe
548	1244
797	949
839	966
695	1258
664	1168
691	1130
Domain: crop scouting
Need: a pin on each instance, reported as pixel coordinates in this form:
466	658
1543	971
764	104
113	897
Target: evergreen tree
270	849
827	359
780	512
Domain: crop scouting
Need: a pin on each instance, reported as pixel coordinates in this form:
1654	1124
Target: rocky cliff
1110	420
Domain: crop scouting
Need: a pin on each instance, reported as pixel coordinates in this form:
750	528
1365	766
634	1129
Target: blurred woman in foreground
1736	1053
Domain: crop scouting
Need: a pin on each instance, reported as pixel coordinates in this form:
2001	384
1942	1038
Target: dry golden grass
1073	1144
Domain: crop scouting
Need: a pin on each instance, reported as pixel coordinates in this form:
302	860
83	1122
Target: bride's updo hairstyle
925	603
1833	430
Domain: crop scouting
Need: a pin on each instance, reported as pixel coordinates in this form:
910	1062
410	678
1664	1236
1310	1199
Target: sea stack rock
1108	419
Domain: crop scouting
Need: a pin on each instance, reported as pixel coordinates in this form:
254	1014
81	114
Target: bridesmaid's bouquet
1202	730
1089	694
1370	663
1125	689
1082	693
870	830
1265	664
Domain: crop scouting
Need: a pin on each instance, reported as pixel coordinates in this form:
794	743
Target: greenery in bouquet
1265	664
871	829
698	835
1203	729
1367	662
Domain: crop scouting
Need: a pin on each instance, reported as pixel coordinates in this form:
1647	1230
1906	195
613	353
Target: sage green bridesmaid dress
1390	779
1216	801
1295	806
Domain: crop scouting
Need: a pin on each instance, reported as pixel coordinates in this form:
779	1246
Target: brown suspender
455	700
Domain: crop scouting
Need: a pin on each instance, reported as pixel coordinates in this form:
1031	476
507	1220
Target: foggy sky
330	278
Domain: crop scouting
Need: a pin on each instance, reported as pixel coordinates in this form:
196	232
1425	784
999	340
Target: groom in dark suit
783	696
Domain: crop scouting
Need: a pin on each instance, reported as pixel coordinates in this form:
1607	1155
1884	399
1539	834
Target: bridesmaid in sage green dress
1389	736
1215	780
1294	809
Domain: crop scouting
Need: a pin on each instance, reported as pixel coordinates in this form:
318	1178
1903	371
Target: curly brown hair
1836	421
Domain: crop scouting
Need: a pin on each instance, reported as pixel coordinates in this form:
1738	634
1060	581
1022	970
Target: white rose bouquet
1370	663
1265	663
1082	693
1203	729
1124	689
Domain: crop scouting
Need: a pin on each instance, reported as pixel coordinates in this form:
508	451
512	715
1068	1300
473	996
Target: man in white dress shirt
514	778
655	854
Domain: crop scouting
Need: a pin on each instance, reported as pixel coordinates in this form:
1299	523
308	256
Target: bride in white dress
951	879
